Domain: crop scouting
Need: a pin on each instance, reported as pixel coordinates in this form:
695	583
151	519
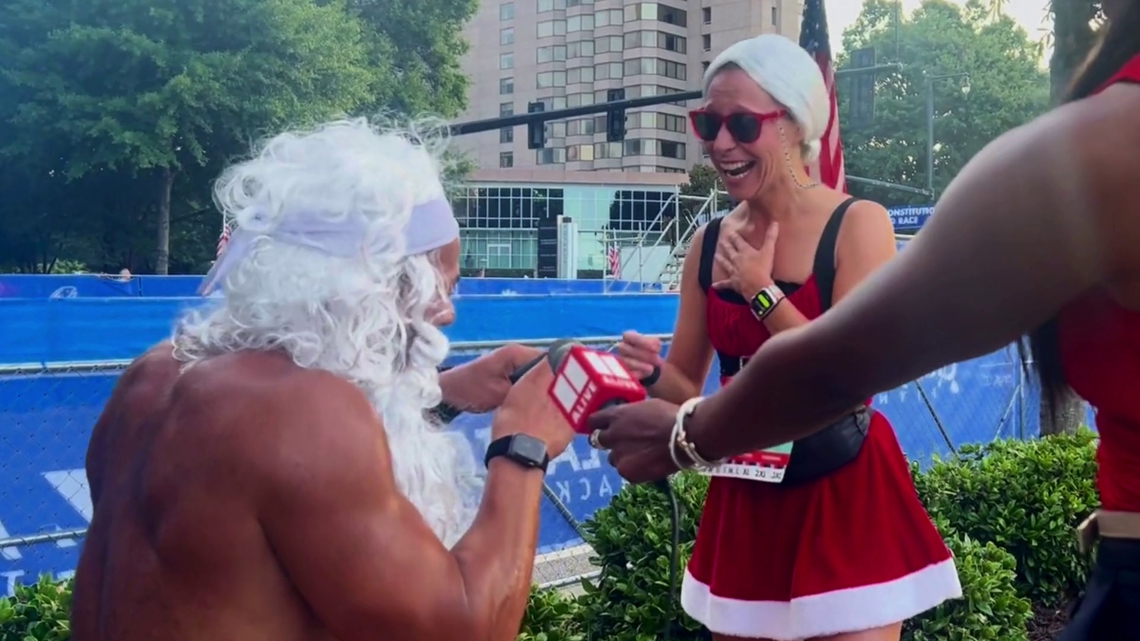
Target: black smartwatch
523	449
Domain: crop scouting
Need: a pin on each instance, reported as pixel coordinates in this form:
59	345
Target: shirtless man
269	473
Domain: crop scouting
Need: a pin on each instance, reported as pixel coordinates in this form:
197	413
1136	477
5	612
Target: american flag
224	239
828	168
613	254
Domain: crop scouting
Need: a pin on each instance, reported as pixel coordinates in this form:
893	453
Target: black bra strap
824	267
708	254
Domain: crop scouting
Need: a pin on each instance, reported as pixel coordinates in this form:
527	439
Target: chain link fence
47	413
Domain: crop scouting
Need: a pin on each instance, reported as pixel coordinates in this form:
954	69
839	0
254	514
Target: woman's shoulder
862	220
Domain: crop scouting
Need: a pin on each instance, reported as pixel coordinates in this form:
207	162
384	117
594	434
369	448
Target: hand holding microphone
587	382
481	385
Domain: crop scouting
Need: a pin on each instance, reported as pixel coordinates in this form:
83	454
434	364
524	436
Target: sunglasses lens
706	125
745	128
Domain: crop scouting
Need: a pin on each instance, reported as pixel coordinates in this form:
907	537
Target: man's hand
528	409
637	436
482	385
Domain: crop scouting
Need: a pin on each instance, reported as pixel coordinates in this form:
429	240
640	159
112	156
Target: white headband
432	226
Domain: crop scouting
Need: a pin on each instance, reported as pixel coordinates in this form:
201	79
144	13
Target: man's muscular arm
359	552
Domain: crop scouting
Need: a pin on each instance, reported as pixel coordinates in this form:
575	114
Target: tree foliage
1007	88
116	115
1073	37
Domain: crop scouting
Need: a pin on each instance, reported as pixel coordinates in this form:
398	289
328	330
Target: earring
788	161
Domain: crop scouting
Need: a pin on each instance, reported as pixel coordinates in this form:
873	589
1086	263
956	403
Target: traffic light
536	131
615	118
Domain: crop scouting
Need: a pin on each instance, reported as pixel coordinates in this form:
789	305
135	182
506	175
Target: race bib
767	465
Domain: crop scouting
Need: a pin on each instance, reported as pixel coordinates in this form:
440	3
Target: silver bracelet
681	439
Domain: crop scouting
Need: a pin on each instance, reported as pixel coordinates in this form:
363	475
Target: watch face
528	448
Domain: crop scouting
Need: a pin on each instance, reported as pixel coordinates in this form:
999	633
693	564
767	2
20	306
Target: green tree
1073	36
154	91
1007	88
417	50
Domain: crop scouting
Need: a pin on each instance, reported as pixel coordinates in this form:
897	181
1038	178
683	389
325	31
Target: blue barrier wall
46	421
81	329
92	286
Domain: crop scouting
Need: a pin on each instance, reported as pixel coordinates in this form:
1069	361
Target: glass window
506	60
670	42
607	150
550	156
580	152
656	67
548	79
552	53
580	23
506	86
558	102
507	36
506	108
580	49
706	15
775	16
608	70
706	42
506	11
506	159
548	28
550	5
609	43
671	149
506	135
580	74
672	15
608	17
583	127
555	129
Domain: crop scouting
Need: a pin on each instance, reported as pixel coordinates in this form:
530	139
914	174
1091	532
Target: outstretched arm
360	553
1042	215
690	354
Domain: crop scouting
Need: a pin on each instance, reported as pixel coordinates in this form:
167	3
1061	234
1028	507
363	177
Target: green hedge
1007	510
37	612
1027	497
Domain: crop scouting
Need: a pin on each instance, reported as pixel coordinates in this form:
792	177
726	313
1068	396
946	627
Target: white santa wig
333	261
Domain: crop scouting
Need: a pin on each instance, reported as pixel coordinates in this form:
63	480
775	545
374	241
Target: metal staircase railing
670	276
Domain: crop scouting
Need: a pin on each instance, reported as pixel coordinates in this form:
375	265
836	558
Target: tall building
569	53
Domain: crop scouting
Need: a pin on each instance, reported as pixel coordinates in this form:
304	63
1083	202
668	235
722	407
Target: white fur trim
837	612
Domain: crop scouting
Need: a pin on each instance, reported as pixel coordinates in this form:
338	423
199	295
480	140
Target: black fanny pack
825	451
829	449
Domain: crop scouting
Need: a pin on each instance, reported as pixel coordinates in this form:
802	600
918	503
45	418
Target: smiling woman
780	553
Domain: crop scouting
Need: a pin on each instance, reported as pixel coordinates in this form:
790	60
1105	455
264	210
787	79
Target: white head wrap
432	226
789	74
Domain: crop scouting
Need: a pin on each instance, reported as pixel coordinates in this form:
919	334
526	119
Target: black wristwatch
523	449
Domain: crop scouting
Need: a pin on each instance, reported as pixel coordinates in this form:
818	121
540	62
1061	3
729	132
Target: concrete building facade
568	53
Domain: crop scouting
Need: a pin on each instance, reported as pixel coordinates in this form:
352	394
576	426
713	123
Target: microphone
587	381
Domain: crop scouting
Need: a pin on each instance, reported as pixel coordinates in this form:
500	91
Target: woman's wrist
650	379
757	287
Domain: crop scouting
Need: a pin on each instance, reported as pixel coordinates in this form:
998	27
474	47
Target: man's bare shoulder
267	409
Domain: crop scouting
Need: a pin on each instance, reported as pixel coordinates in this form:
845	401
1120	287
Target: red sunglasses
744	126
